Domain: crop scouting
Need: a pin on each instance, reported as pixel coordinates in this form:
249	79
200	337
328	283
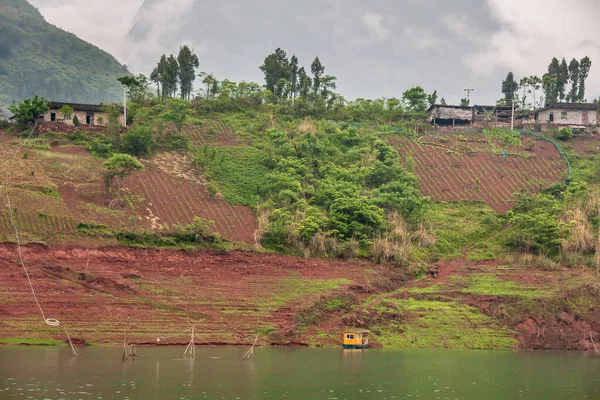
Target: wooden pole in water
73	348
594	344
250	351
191	347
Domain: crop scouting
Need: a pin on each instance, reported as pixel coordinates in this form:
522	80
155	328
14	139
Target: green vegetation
37	58
120	166
29	110
489	284
505	135
181	237
564	134
31	342
457	226
238	172
437	324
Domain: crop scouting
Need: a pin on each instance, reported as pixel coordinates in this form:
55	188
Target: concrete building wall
97	118
568	117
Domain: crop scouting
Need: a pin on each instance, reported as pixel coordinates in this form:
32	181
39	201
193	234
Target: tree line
561	83
171	74
294	89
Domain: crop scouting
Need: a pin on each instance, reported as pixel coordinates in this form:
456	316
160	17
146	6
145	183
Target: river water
219	373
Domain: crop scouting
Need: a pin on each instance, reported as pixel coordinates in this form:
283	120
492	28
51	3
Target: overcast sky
376	48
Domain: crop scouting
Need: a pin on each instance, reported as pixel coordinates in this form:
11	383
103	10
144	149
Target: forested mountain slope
37	58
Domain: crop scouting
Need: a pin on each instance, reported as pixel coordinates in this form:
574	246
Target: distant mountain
39	58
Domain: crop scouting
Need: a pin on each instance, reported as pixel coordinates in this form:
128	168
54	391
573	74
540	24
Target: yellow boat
356	339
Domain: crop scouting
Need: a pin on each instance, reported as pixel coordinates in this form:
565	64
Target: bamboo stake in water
250	351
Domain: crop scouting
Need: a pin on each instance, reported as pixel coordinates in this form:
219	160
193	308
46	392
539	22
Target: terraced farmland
214	133
456	169
37	223
176	201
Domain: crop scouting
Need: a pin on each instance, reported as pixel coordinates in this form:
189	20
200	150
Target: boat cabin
356	339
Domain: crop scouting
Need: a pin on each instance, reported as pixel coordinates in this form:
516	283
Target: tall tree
415	99
304	83
572	97
317	70
535	84
584	70
524	84
294	83
158	76
137	87
328	85
275	67
188	63
212	84
509	88
550	90
172	75
562	78
432	98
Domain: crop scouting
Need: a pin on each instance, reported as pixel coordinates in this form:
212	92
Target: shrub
139	141
76	121
564	134
100	148
29	110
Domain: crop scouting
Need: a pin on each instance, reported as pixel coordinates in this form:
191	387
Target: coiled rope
48	321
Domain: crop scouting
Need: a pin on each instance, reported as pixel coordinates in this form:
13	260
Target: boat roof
357	330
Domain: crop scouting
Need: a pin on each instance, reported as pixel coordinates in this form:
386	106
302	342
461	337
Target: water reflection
161	373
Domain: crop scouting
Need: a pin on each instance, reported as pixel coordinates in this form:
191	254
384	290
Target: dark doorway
52	117
89	118
551	117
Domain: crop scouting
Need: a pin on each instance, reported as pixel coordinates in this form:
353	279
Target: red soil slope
176	201
101	295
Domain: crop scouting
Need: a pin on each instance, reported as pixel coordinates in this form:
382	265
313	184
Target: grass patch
489	284
505	135
297	288
456	226
31	342
437	324
38	144
238	171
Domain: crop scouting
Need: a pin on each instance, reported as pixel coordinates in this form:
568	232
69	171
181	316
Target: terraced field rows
37	223
482	176
212	132
176	201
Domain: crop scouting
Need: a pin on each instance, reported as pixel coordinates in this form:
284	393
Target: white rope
49	321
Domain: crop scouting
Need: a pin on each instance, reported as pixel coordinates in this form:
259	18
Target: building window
350	337
52	117
564	115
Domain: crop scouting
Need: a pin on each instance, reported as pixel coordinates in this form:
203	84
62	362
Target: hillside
37	58
428	239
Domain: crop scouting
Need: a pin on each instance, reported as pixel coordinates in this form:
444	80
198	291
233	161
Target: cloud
103	23
156	28
421	39
374	25
529	34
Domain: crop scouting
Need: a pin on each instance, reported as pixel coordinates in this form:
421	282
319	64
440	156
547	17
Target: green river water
219	373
